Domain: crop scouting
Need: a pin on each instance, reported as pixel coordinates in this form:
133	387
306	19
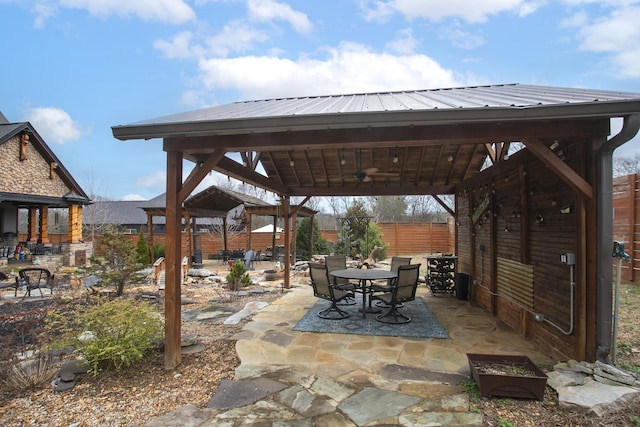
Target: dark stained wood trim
401	136
232	168
198	173
564	171
444	205
172	305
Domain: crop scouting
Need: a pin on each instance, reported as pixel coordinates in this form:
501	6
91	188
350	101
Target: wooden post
74	234
172	356
287	240
248	229
31	225
150	236
44	225
310	251
189	245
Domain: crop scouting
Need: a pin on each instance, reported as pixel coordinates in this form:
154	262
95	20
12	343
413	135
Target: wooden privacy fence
412	238
402	238
626	223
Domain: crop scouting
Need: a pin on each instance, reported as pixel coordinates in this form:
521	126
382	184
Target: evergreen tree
320	245
142	251
359	235
117	267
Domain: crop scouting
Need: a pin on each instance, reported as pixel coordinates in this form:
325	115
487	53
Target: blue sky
74	68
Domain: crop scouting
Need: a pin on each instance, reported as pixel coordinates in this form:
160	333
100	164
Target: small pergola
217	202
422	142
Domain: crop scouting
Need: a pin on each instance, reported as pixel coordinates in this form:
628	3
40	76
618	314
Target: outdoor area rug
423	323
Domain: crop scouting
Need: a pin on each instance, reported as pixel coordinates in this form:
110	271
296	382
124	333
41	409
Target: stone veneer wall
29	176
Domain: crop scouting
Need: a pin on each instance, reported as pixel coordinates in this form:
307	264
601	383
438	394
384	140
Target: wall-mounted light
450	158
395	157
342	159
292	163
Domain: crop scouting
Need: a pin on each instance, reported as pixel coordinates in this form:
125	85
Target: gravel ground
134	396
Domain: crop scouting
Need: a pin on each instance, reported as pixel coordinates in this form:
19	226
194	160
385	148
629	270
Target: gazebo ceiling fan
367	175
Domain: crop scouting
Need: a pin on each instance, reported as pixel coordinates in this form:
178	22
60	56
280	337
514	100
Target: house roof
75	196
408	142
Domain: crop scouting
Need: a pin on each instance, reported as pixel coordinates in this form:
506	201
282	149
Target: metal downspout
604	241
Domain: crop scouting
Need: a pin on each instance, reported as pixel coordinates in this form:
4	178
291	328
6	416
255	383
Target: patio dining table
364	278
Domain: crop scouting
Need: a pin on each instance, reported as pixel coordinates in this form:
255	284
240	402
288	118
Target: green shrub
238	276
158	251
114	333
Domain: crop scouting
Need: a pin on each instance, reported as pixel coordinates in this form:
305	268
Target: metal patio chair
34	278
323	288
339	262
403	290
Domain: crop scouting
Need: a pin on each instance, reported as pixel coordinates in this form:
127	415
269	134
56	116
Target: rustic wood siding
531	219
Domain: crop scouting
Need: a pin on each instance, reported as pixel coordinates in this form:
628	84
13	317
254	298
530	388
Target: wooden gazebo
457	141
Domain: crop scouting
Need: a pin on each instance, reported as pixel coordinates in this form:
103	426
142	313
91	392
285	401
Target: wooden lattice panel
515	281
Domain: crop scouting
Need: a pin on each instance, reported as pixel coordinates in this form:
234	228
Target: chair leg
393	316
348	301
333	308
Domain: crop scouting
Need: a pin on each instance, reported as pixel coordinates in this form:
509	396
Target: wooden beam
560	168
233	169
400	136
172	305
372	189
198	173
444	205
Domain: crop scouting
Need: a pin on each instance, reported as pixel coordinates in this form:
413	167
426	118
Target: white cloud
617	35
437	10
404	43
55	125
349	68
267	10
167	11
43	11
234	37
132	198
157	179
459	37
179	46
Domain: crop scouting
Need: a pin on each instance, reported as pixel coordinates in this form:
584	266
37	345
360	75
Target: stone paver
289	378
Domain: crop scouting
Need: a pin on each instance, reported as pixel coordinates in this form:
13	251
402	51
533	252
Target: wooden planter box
513	376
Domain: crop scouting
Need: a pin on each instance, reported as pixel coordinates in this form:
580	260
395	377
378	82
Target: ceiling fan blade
367	179
385	174
370	171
